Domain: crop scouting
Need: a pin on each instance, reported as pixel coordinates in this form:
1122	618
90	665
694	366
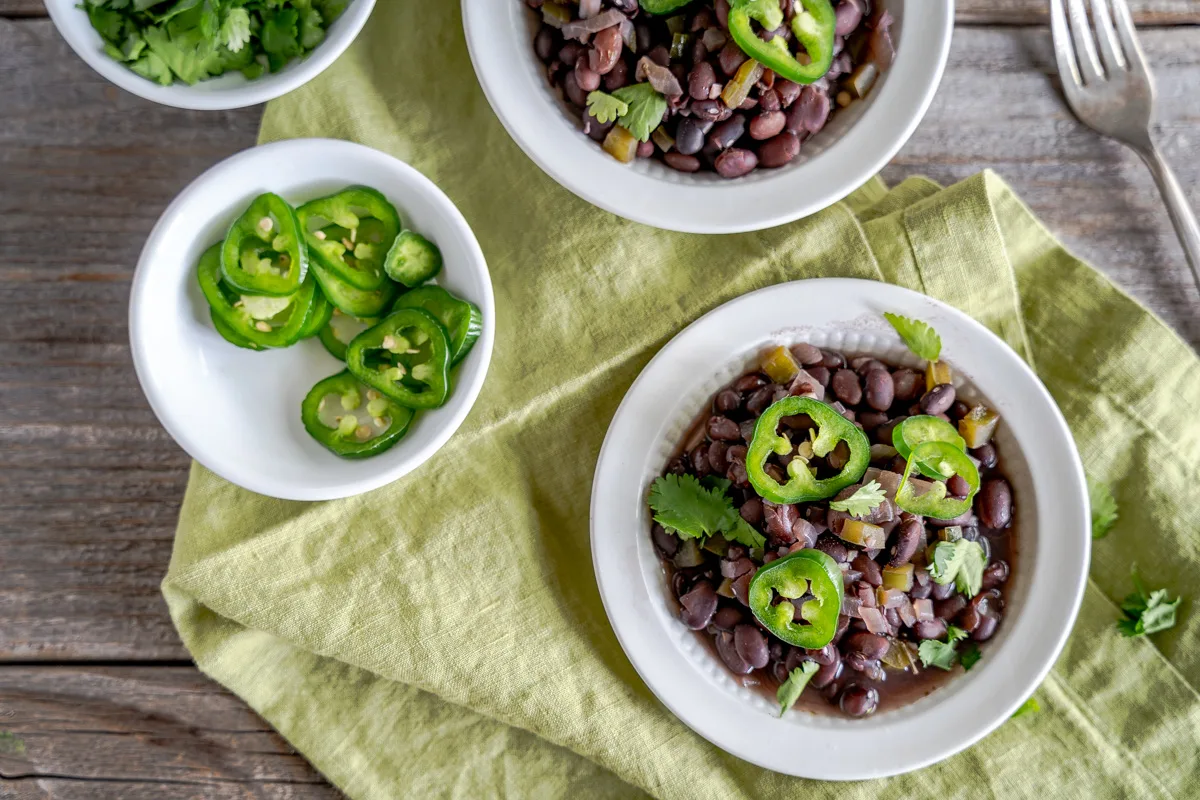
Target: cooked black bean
751	645
724	134
806	354
859	701
586	77
995	574
605	51
779	520
730	58
986	455
748	383
930	629
908	539
959	410
832	360
821	374
723	428
810	112
942	590
727	400
986	630
881	390
617	77
698	606
840	454
871	571
747	427
758	402
660	55
570	52
937	399
993	504
717	453
846	387
727	650
664	542
919	592
545	43
710	110
957	486
948	609
735	162
727	618
908	385
828	673
741	588
778	151
699	459
831	546
700	80
766	125
868	644
870	420
826	655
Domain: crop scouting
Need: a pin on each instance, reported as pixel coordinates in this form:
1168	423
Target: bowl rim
87	45
461	401
677	202
655	643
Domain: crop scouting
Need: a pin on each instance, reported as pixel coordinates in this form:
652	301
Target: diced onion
579	28
875	621
923	609
908	615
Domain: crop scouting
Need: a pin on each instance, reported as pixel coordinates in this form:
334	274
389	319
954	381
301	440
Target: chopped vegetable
684	506
332	414
813	26
412	259
663	139
1030	706
863	78
406	358
191	40
780	365
791	689
970	656
918	336
662	6
621	145
862	502
863	534
942	655
978	426
645	112
1147	612
937	373
917	430
947	460
962	562
604	107
350	234
738	89
804	485
898	577
462	319
810	574
1104	508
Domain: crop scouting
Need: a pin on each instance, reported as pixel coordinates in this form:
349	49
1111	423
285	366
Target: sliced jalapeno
406	357
262	320
350	234
230	335
462	320
341	330
945	459
413	259
319	316
924	428
803	573
350	299
804	486
263	253
351	419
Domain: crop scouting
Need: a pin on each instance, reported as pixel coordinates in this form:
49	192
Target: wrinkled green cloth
443	636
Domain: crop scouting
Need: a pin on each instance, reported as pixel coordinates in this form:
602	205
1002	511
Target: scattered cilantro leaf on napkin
1147	612
1030	706
862	502
1104	508
791	689
920	338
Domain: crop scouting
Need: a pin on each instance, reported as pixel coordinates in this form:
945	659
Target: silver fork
1114	95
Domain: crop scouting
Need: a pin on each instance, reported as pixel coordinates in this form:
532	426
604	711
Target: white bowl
231	90
1052	522
237	412
856	144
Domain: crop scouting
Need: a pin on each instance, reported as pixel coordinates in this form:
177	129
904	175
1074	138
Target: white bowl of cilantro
209	56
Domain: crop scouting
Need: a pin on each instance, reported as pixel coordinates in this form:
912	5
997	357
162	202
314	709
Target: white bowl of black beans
786	152
688	626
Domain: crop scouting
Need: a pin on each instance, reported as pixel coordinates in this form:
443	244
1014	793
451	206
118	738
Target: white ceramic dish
1051	516
237	412
855	145
228	91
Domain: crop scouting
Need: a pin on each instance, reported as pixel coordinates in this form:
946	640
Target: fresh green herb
943	655
682	504
920	338
970	656
192	40
715	482
862	502
645	112
961	561
1147	612
790	690
1104	508
604	107
1030	706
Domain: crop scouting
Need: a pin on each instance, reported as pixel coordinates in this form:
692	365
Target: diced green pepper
978	426
263	253
413	259
350	234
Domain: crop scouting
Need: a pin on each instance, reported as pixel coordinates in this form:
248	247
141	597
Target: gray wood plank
128	732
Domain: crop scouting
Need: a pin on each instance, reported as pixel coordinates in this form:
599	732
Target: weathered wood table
97	696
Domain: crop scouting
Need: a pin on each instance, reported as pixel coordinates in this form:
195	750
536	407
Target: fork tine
1085	49
1064	51
1128	34
1110	51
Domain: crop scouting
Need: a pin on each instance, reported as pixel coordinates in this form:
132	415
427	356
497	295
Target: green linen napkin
443	636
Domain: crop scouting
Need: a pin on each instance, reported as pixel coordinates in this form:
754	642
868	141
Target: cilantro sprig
1104	508
962	562
865	500
192	40
604	107
1147	612
683	505
943	655
917	335
645	109
790	690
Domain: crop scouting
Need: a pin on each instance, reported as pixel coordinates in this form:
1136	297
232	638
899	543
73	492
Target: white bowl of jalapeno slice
844	546
311	319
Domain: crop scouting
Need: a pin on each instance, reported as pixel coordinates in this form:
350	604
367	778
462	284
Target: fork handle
1178	207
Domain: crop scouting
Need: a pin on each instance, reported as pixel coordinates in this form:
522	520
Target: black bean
930	629
722	9
840	455
883	433
995	575
779	521
920	592
859	701
645	37
727	650
809	114
778	151
846	387
605	51
748	383
908	539
938	399
664	542
986	454
957	486
843	624
723	428
821	374
826	655
700	80
849	15
828	673
767	125
645	149
787	91
545	43
758	402
768	100
660	55
698	606
832	360
994	503
726	133
948	609
730	58
908	384
710	110
751	645
587	78
573	92
717	454
833	548
959	410
727	618
870	570
727	400
986	629
806	354
570	52
881	390
594	128
741	588
699	459
868	644
617	77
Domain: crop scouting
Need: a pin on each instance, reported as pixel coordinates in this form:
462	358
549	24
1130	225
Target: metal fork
1114	95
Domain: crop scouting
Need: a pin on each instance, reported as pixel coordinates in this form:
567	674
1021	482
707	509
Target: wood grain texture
1001	12
129	732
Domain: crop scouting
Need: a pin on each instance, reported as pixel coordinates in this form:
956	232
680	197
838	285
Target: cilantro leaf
943	655
970	656
1147	612
790	690
963	562
1030	706
645	112
235	30
862	502
604	107
683	505
920	338
1104	508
